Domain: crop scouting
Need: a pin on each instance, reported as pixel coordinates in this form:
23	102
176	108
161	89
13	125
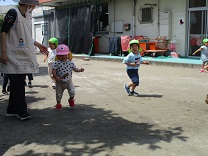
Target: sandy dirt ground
168	118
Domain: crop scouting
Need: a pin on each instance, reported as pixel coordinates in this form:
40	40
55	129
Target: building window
146	15
103	17
197	3
45	29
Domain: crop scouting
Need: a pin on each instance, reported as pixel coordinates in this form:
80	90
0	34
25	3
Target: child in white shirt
53	43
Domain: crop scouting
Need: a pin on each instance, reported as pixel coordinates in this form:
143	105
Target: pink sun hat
62	49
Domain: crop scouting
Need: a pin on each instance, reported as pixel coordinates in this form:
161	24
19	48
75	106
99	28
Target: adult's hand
43	49
3	58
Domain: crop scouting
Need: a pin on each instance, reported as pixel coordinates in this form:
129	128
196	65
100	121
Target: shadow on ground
79	131
150	95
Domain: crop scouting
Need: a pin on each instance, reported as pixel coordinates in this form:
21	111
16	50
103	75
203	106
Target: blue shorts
134	76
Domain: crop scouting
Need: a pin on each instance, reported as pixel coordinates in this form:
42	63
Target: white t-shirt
51	55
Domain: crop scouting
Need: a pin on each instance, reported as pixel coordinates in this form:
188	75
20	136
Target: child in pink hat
62	72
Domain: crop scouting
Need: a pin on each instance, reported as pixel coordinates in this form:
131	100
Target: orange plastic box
152	46
143	45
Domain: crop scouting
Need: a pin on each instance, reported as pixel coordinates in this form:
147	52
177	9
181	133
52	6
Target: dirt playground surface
168	118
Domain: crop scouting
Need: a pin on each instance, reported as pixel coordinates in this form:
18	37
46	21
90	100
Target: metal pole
54	22
133	18
114	16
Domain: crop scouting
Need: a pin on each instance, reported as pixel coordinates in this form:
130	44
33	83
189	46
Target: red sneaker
201	70
71	103
58	107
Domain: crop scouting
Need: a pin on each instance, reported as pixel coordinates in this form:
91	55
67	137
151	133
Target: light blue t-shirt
204	53
133	58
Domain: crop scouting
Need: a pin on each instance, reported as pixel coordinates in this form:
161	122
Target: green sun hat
53	40
133	42
205	40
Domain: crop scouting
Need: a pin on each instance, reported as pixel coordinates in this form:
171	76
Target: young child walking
204	55
133	61
6	84
53	43
62	72
30	78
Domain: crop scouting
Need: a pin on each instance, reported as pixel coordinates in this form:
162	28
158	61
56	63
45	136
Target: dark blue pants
30	76
5	82
17	103
134	76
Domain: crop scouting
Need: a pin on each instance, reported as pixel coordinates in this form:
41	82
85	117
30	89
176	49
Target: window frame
142	15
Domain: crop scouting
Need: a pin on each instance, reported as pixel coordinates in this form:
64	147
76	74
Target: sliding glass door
197	24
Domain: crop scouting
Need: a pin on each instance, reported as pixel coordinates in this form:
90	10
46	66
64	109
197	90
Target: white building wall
150	30
178	10
123	10
37	26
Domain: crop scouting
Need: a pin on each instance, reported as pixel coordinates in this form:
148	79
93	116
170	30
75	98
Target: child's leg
59	94
135	82
30	77
204	64
51	75
131	86
5	82
134	76
8	87
71	92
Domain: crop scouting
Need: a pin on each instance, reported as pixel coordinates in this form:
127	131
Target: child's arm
131	64
78	69
55	76
45	58
41	47
198	50
145	62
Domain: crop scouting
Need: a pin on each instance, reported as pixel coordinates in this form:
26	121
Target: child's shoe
127	90
53	85
4	92
206	101
134	93
30	84
71	103
58	107
201	70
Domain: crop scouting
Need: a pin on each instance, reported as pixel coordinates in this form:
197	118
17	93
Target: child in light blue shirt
133	61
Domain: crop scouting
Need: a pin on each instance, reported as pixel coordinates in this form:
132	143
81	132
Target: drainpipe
158	25
114	16
133	18
54	21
